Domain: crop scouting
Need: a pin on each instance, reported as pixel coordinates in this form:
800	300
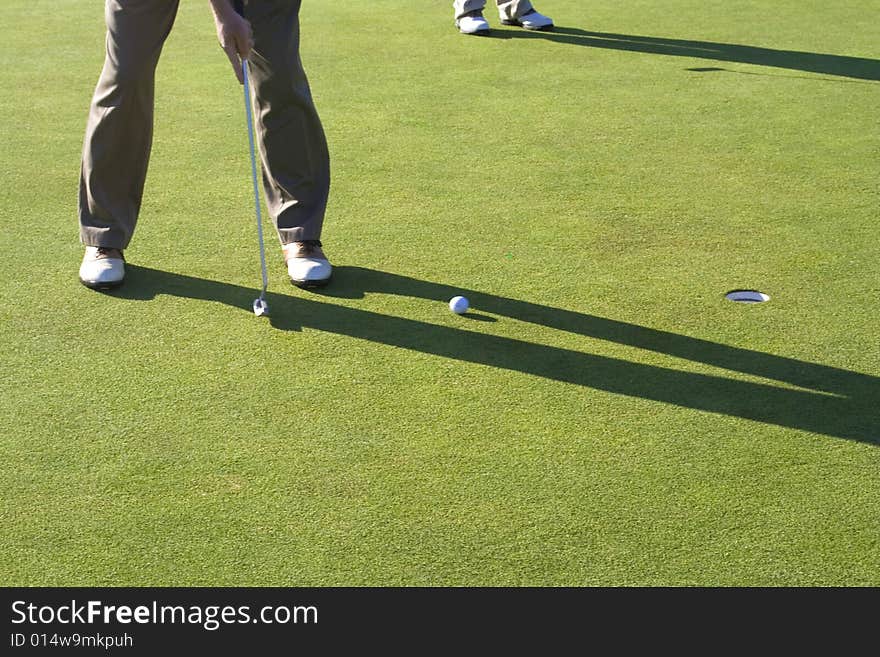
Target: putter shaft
250	125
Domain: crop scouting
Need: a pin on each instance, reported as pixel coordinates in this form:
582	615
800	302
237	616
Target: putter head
261	307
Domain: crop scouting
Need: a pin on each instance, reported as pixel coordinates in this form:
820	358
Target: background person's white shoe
307	265
102	268
531	20
474	23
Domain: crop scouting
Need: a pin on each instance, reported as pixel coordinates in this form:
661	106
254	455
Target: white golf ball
459	305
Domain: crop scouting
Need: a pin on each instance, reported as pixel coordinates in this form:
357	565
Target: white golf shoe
307	265
531	20
102	268
473	23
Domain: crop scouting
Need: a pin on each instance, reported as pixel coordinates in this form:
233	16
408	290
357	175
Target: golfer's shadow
828	400
811	62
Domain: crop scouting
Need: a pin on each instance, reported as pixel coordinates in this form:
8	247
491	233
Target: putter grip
238	5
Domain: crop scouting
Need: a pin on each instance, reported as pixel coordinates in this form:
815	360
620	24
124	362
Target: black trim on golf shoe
311	285
102	286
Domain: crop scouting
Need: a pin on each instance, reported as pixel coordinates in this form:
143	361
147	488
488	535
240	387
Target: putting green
601	416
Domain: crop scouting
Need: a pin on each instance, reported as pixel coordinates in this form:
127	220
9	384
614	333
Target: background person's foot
473	23
531	20
307	265
102	268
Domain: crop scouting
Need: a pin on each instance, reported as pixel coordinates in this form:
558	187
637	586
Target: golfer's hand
235	34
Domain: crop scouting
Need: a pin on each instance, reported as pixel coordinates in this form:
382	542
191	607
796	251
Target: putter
260	306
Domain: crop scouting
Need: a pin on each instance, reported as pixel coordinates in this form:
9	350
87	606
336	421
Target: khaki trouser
293	149
509	9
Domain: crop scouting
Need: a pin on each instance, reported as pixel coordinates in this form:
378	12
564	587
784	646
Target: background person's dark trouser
296	164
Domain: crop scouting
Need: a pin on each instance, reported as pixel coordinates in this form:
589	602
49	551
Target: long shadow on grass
851	67
833	401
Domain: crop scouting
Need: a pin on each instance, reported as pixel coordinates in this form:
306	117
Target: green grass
611	421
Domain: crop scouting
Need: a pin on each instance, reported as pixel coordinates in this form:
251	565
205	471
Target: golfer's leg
463	7
513	9
120	126
296	163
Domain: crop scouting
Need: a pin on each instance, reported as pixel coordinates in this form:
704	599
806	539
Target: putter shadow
831	401
839	65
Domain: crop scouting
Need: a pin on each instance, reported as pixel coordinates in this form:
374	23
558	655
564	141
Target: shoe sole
476	33
546	28
310	285
102	286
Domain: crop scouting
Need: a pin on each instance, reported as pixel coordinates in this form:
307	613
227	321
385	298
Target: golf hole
747	296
